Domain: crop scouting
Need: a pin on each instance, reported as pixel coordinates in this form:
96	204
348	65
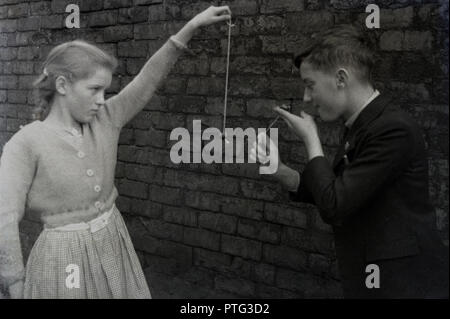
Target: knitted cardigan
58	183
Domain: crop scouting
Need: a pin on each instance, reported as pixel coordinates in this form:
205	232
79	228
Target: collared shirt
354	116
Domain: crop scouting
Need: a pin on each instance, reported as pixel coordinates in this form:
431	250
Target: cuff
181	46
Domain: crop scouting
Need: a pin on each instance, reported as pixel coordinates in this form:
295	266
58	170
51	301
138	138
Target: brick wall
222	230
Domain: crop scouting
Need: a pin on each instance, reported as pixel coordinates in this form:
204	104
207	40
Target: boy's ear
341	78
61	84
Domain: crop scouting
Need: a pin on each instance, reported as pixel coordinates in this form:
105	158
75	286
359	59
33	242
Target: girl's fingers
221	18
223	9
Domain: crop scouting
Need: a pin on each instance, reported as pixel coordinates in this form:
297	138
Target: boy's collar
355	115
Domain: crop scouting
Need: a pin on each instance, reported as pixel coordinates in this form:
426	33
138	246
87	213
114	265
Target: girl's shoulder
28	134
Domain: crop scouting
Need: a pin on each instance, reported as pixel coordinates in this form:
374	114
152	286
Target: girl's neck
60	117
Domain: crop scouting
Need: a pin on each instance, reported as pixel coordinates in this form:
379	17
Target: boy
375	194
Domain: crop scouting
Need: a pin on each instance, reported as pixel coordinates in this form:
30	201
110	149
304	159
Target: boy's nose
100	99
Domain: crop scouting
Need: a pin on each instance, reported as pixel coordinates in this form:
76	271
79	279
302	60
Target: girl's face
85	97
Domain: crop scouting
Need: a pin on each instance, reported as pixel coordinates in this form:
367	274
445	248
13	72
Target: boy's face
322	90
86	96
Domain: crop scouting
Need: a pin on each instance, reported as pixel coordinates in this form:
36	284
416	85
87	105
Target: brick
242	65
13	125
163	230
211	259
238	246
261	231
186	104
391	40
101	19
241	287
197	66
150	138
292	280
258	190
249	86
243	7
205	86
3	95
140	173
89	5
180	215
17	97
418	40
202	200
41	8
285	256
133	189
402	17
281	6
59	6
241	207
217	222
117	33
52	22
8	54
18	68
201	238
189	10
3	12
306	22
167	195
193	181
132	15
235	107
150	31
132	49
286	215
175	85
114	4
166	121
8	26
286	88
19	10
157	13
145	2
8	81
319	264
241	45
29	24
261	24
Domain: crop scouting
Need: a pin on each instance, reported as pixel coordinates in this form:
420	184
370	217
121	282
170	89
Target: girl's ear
61	85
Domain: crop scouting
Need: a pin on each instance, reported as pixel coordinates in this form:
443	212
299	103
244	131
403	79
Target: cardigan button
90	172
97	188
81	154
98	205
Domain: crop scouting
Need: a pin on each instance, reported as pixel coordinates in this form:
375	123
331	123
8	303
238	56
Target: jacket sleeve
122	107
17	169
302	194
386	152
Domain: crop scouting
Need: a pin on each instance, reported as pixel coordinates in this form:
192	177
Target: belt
94	225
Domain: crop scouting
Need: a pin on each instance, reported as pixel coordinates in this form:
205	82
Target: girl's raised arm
132	99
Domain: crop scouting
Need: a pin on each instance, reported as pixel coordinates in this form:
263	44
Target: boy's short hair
342	45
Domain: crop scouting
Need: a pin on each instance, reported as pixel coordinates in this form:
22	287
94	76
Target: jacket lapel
370	113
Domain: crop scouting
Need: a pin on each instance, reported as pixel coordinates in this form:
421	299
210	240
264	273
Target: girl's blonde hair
75	60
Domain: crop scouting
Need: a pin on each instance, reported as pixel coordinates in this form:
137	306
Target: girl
61	170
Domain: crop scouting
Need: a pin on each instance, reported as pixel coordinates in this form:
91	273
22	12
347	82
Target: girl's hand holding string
204	18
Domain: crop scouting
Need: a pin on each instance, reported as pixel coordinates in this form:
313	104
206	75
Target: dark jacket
375	195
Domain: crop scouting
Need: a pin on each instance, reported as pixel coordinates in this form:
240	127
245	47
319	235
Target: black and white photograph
245	150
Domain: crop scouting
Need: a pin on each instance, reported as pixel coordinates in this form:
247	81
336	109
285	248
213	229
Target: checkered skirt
81	264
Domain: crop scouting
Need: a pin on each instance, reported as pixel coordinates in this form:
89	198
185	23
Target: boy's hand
303	126
263	156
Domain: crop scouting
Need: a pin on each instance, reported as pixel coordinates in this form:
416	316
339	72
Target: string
230	25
